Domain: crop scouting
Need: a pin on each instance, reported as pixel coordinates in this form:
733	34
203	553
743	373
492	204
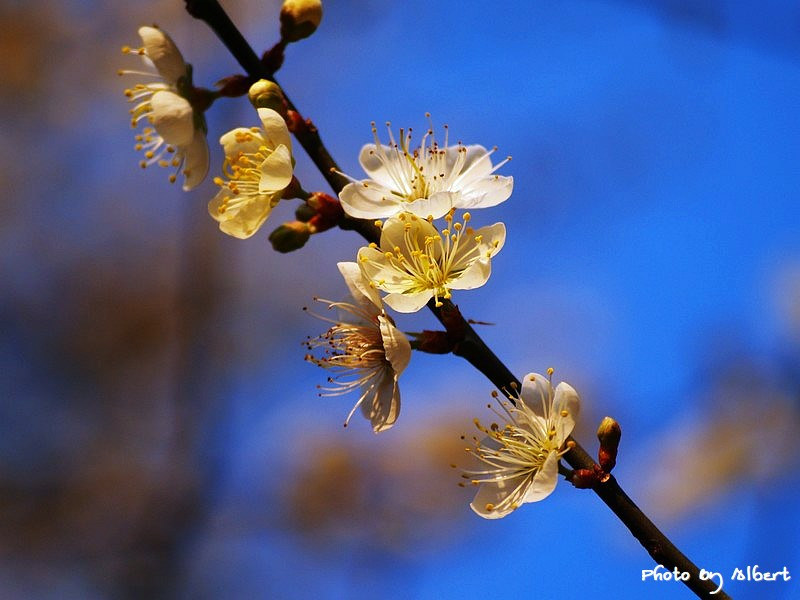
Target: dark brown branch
470	345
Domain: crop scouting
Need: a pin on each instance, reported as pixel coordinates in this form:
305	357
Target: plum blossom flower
366	351
258	167
415	262
174	134
523	453
427	181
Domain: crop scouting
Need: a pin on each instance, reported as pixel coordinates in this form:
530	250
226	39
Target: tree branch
470	345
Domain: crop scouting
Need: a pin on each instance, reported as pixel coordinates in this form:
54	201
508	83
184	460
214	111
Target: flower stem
469	346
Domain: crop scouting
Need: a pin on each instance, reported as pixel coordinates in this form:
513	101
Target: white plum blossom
174	133
366	351
258	167
523	452
427	180
416	262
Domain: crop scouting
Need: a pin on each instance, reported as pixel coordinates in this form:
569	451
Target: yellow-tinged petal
163	53
173	118
276	171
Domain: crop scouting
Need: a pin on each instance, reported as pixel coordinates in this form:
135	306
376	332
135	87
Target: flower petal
486	193
408	303
437	205
359	288
276	171
382	405
474	276
243	219
396	235
195	166
377	162
565	399
368	200
494	495
380	272
163	53
173	118
476	163
275	129
545	480
493	238
241	139
537	393
395	344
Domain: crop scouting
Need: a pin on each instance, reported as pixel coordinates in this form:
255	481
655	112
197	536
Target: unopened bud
584	478
290	236
328	210
609	434
304	213
299	19
267	94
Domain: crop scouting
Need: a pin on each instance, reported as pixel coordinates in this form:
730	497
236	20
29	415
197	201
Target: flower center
433	262
242	171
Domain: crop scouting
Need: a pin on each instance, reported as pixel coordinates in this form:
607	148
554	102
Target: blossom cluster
413	191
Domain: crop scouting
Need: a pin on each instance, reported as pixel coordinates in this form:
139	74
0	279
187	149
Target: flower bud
584	478
290	236
267	94
609	434
299	19
305	213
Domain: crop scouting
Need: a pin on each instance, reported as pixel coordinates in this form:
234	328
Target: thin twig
470	347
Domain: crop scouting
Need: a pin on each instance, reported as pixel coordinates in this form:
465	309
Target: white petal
437	205
275	130
565	399
241	139
408	303
544	482
195	166
474	276
395	344
164	54
359	287
486	193
537	393
493	239
383	407
494	493
370	202
476	163
276	171
375	167
173	118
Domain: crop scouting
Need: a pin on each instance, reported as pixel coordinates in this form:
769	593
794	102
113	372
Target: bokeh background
160	434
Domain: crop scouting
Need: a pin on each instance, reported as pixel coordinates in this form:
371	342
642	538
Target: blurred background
160	434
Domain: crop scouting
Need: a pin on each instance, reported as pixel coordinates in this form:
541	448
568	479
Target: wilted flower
415	262
427	181
367	351
258	167
523	453
175	133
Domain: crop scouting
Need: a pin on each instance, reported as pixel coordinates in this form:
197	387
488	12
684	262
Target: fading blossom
416	262
427	180
365	351
522	453
258	167
173	134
